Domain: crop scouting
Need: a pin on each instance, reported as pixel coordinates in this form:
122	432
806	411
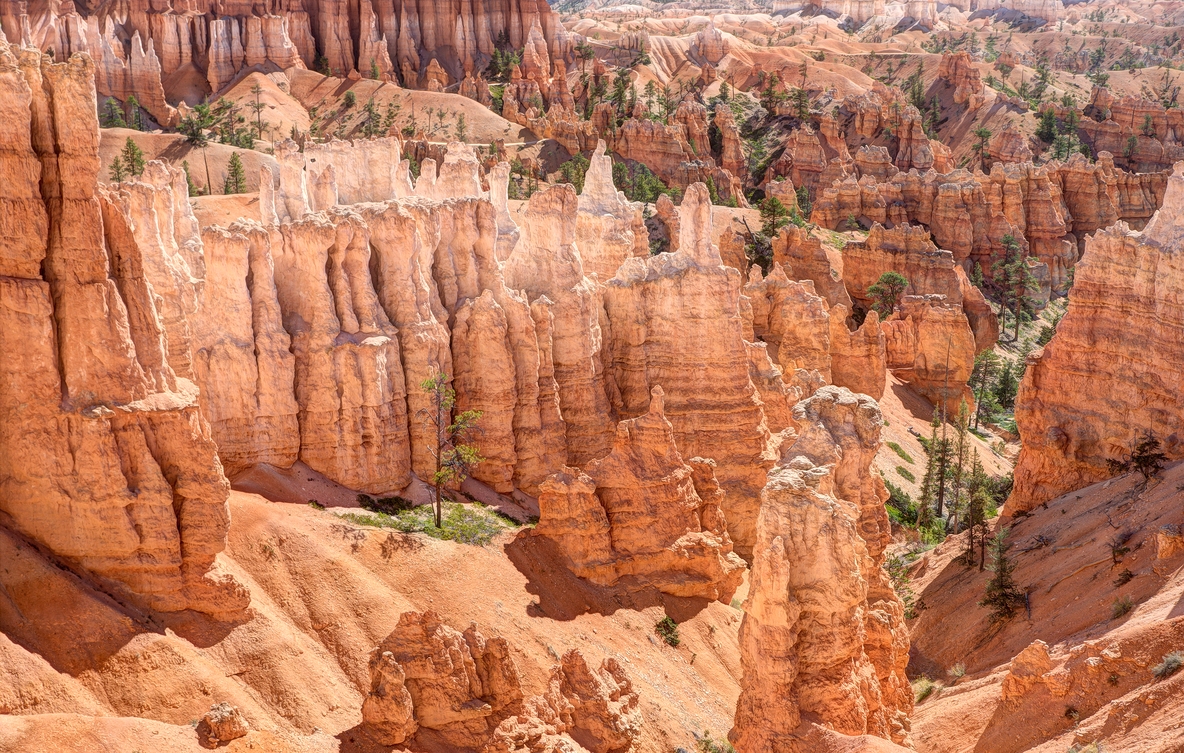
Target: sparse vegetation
667	630
453	454
900	451
463	523
1003	596
1170	664
906	473
236	176
1121	607
887	292
708	744
386	505
1145	457
923	687
897	568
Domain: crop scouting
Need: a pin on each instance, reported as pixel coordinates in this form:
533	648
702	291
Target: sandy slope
1103	662
324	593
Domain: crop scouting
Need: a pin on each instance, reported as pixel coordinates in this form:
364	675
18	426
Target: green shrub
1121	607
1169	666
923	687
708	744
667	630
465	524
900	451
901	508
906	473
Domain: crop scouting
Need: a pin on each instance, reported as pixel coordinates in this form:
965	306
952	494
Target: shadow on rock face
562	595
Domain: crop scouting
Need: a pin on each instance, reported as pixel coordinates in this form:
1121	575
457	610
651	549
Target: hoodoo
513	376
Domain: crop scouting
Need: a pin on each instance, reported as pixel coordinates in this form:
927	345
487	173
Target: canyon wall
106	462
643	513
1113	370
166	52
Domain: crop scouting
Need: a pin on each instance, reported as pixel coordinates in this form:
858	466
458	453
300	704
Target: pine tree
1007	386
1145	457
932	478
960	456
113	114
801	103
1003	597
1015	278
192	189
117	169
454	456
1047	130
886	292
133	157
137	119
372	126
986	366
982	134
258	107
236	177
978	495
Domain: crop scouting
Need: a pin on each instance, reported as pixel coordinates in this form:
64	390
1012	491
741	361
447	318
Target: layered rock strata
675	320
930	345
908	250
823	641
106	462
424	44
609	228
644	514
1112	372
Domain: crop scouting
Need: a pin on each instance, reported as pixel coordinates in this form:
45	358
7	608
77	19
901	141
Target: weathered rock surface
364	339
106	462
220	725
450	682
242	353
547	265
792	319
609	228
1009	144
958	70
675	320
930	345
859	359
173	49
643	513
908	249
597	707
803	257
1112	370
823	641
464	689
